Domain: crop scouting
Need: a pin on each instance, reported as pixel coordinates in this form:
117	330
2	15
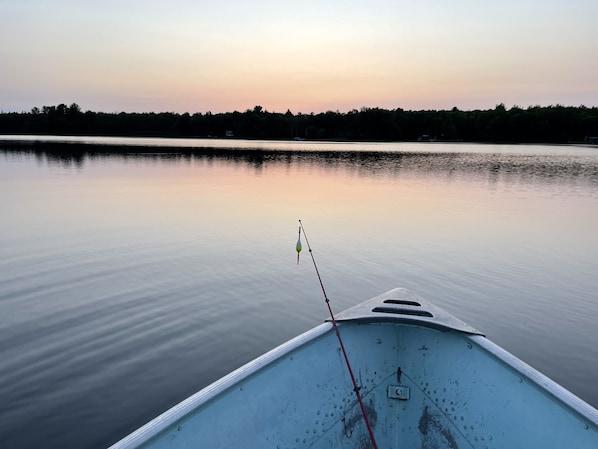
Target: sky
303	56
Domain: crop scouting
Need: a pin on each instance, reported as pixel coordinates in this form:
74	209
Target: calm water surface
129	281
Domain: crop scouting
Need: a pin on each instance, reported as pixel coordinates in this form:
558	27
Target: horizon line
337	111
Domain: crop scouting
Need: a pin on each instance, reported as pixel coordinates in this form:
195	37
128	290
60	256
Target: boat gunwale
177	412
543	382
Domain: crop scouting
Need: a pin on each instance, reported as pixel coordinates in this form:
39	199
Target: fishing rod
356	388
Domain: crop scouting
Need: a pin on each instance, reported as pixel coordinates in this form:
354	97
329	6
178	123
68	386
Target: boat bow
402	306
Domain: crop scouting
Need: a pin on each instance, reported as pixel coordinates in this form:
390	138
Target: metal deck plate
400	305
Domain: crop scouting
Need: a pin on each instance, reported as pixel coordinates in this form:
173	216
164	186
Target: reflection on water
555	165
131	275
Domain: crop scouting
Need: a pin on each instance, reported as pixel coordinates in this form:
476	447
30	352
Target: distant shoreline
541	125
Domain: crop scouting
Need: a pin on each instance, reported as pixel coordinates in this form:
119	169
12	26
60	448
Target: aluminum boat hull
427	380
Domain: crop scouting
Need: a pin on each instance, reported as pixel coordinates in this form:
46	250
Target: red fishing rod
356	388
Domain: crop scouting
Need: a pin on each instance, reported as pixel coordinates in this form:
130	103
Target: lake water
133	272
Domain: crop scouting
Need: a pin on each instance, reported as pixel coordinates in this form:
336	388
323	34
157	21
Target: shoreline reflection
493	167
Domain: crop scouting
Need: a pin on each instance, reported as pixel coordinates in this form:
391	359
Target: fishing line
356	388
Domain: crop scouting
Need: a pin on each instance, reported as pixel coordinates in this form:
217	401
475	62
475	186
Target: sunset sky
306	56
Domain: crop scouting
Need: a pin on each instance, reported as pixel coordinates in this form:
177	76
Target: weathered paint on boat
428	380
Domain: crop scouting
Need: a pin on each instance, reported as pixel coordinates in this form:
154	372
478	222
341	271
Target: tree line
535	124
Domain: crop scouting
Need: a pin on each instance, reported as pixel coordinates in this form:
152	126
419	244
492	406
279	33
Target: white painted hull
427	381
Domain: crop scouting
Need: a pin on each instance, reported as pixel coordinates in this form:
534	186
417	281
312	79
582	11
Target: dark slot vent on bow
402	302
400	311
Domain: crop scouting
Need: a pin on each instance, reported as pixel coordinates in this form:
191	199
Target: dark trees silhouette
550	124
